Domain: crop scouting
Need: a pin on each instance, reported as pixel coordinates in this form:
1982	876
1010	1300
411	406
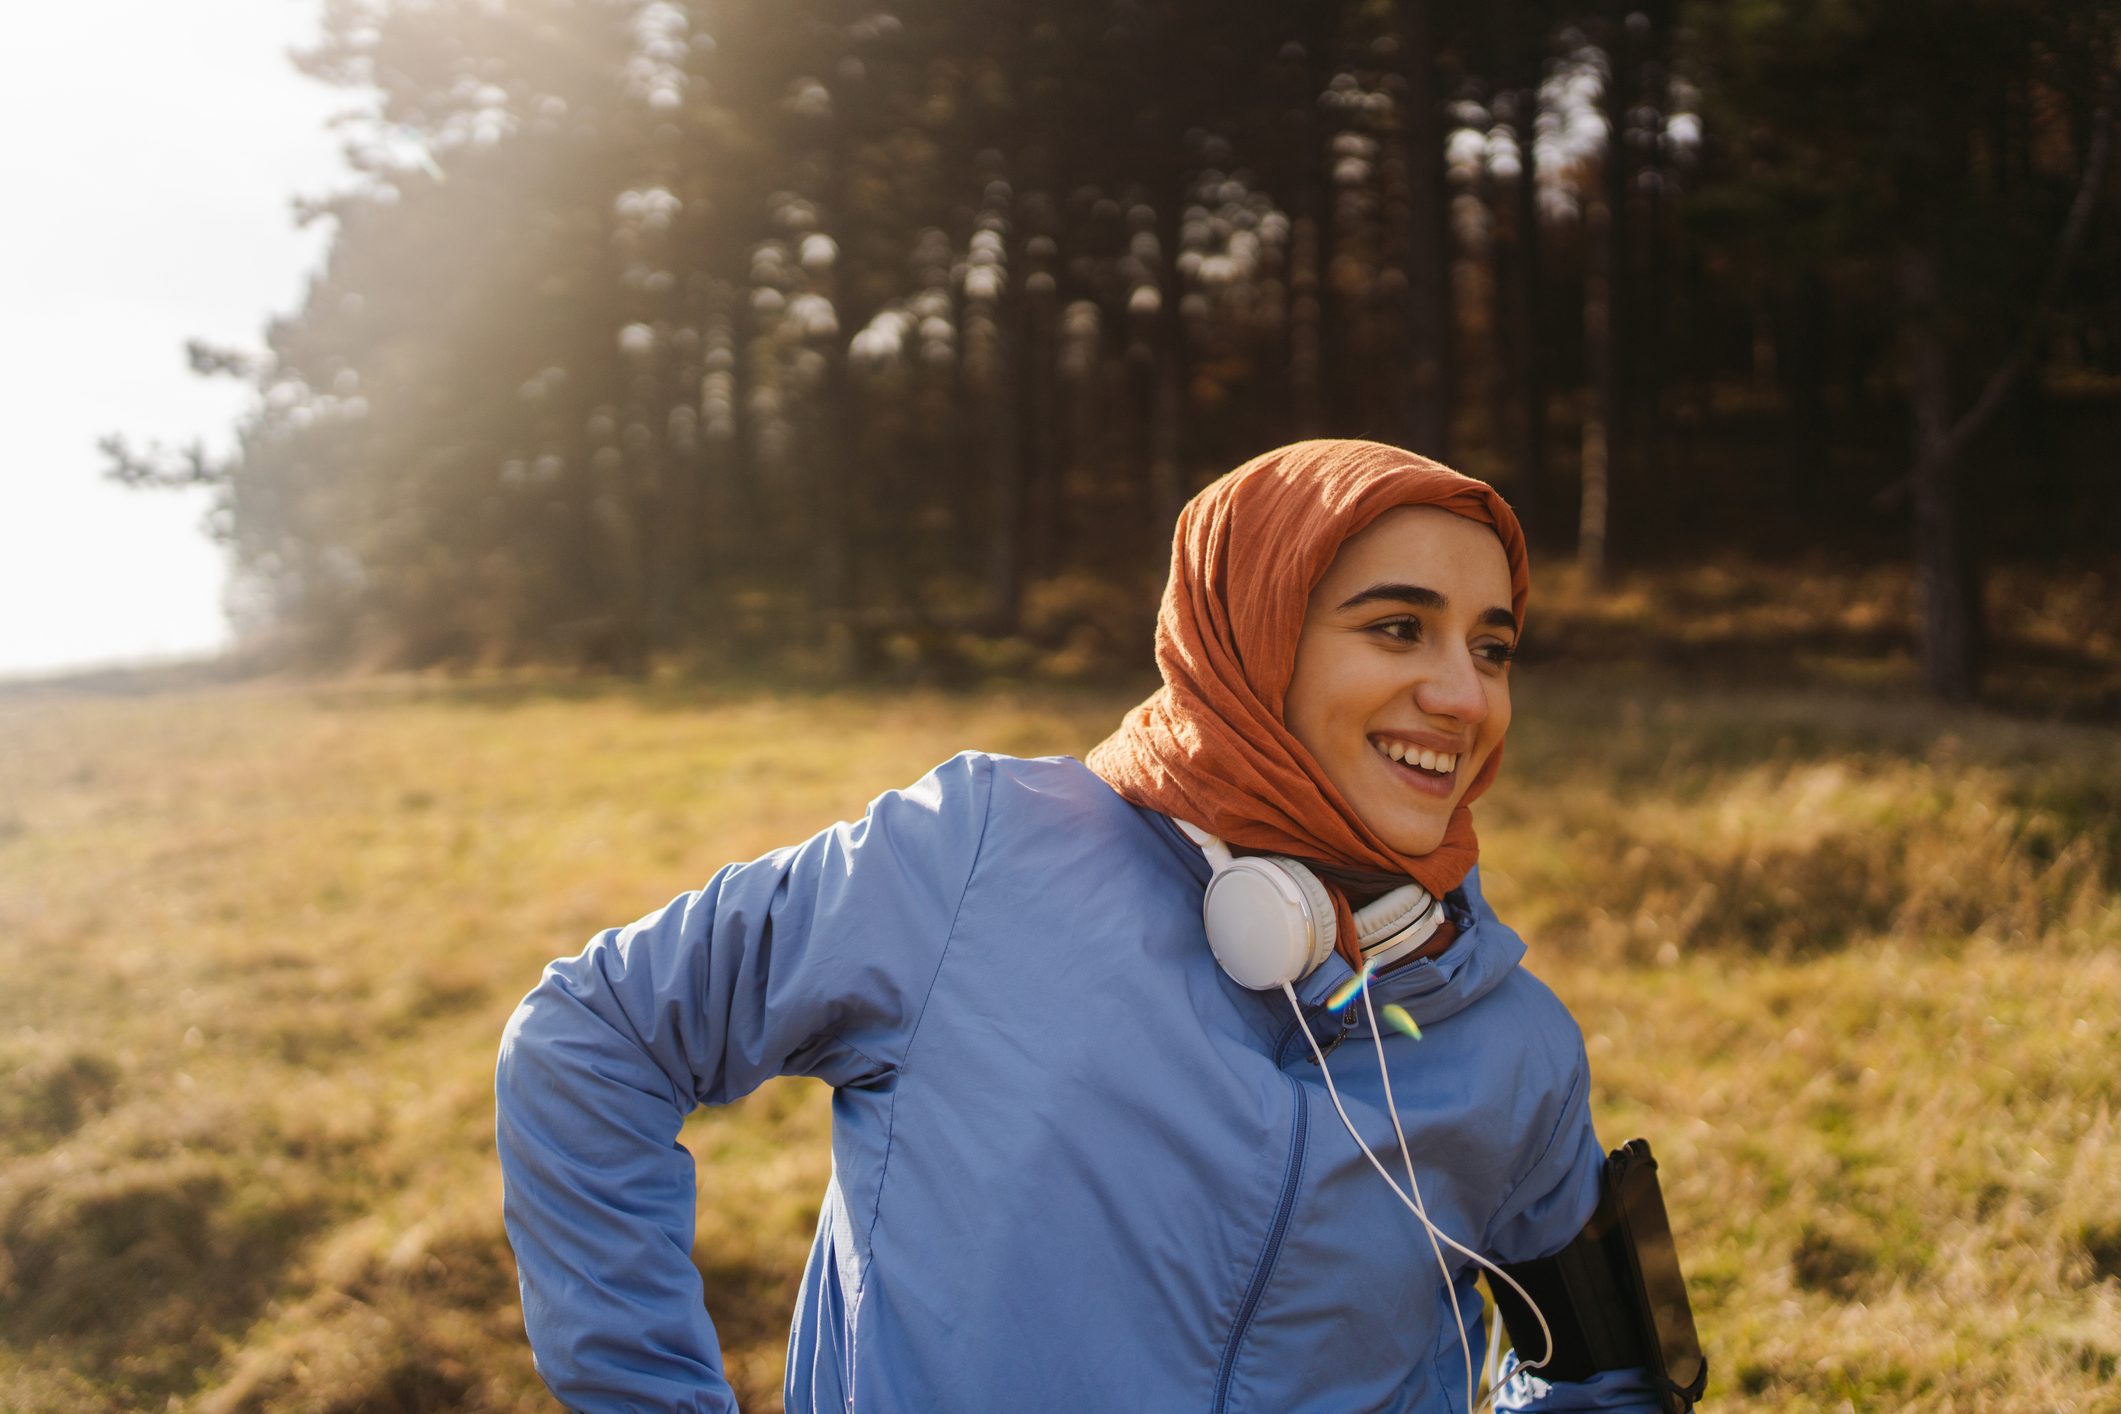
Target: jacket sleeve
812	960
1546	1209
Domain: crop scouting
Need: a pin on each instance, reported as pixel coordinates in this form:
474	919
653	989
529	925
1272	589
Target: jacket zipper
1291	1176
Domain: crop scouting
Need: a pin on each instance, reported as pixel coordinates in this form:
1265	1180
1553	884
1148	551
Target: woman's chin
1409	833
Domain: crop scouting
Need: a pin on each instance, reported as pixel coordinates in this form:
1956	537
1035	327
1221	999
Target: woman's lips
1427	782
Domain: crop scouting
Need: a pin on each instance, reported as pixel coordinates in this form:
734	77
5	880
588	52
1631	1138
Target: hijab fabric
1210	745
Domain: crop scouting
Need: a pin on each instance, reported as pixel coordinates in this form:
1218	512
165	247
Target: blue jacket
1075	1167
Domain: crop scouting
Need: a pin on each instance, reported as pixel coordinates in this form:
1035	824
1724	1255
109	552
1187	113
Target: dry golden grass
1850	963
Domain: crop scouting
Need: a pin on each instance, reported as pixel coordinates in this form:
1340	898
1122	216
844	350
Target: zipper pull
1327	1046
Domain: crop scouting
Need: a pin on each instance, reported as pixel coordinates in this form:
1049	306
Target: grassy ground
1851	963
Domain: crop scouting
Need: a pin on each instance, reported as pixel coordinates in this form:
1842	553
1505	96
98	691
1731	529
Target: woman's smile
1419	768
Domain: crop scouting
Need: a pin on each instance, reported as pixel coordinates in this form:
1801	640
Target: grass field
1853	964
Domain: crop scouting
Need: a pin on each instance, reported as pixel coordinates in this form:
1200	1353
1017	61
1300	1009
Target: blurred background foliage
890	337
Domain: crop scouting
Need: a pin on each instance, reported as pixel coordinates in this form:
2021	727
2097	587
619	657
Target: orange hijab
1210	746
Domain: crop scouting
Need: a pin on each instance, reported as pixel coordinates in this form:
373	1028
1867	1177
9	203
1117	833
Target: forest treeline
727	326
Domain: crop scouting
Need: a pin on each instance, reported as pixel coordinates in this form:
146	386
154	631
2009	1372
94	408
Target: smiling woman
1086	1157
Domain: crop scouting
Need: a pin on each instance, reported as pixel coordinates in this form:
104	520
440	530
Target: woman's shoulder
1542	1018
995	780
1520	1003
1029	786
1055	812
1535	1048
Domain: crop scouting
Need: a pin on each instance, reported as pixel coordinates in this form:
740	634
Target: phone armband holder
1614	1297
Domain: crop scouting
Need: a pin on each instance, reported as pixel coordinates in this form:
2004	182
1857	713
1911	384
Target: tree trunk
1947	562
1648	294
1425	392
722	481
991	358
1607	307
1005	482
1306	318
1167	414
1310	214
1598	392
1528	369
1802	366
677	551
1947	574
1042	434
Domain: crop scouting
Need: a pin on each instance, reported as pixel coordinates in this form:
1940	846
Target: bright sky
148	152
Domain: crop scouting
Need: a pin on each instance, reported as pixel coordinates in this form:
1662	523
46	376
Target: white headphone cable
1435	1234
1421	1210
1384	1072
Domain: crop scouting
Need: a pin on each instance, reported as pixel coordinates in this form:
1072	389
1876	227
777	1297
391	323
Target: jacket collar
1485	952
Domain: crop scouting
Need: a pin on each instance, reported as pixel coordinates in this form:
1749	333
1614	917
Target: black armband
1614	1297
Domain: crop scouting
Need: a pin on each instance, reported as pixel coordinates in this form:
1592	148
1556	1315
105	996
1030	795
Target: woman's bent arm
813	960
1548	1207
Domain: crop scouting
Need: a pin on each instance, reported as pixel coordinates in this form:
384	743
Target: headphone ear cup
1325	931
1382	917
1269	921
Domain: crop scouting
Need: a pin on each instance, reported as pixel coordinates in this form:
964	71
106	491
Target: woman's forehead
1427	546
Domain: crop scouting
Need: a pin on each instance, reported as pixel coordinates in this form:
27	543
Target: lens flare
1396	1017
1349	990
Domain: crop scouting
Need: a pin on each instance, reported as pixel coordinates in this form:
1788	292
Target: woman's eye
1404	630
1499	654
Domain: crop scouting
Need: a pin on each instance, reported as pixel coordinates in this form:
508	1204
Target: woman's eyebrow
1413	594
1424	598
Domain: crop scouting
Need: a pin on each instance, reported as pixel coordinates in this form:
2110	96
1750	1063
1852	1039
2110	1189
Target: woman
1076	1165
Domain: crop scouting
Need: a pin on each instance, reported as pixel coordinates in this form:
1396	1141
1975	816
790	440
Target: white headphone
1271	921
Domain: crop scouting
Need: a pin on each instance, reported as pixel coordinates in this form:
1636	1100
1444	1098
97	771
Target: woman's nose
1452	688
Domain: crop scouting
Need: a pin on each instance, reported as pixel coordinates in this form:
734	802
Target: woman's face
1405	651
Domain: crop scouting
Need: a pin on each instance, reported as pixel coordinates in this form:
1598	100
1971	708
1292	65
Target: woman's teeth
1438	761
